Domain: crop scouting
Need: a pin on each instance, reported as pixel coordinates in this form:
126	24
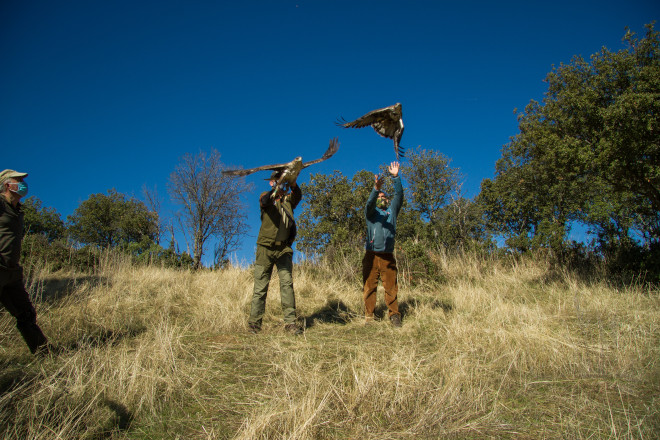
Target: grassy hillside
498	350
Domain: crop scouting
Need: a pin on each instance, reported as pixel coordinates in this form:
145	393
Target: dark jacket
271	217
381	223
11	234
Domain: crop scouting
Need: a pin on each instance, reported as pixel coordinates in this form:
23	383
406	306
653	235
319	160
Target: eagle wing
241	172
387	116
387	122
332	149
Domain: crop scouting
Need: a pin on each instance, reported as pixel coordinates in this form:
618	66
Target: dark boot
32	334
395	320
294	329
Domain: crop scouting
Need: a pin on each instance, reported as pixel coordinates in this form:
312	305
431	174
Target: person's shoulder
263	194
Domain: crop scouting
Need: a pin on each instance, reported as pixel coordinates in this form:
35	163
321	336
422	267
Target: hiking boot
44	350
395	320
254	328
293	329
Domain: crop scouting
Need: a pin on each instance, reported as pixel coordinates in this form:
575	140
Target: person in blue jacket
379	261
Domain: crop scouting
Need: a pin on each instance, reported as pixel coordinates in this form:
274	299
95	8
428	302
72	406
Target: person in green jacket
276	236
379	261
13	295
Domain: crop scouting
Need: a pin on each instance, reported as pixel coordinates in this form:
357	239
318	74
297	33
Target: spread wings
332	149
387	122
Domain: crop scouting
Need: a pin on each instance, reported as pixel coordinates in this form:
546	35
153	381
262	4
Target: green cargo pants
267	257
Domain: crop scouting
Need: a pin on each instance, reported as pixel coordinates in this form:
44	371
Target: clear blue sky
110	94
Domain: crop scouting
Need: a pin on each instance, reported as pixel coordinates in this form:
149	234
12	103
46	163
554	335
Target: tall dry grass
500	349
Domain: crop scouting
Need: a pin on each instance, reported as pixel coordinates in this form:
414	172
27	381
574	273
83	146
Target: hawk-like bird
387	122
287	173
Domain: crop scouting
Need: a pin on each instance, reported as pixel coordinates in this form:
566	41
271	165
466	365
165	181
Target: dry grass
499	350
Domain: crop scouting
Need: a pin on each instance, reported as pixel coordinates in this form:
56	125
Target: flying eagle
388	122
287	173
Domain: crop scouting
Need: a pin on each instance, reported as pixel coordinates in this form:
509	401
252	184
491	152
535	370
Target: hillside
497	350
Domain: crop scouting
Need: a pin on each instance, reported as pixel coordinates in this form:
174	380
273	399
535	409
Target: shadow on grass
12	378
334	311
57	288
409	304
123	417
337	312
103	337
19	383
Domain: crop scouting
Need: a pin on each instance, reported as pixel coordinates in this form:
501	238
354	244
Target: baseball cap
8	174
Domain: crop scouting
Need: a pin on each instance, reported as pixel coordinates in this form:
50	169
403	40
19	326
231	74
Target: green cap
8	174
275	175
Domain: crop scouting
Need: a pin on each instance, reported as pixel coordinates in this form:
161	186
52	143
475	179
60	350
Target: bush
37	251
146	252
39	254
415	265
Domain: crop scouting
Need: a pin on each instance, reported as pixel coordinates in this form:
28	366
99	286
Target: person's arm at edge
296	195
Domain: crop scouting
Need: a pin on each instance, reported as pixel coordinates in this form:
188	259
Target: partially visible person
379	261
276	236
13	295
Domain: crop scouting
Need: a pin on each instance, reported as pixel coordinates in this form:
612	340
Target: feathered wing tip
333	146
400	152
332	149
341	122
399	149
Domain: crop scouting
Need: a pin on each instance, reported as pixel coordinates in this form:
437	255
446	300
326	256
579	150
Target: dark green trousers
267	258
16	300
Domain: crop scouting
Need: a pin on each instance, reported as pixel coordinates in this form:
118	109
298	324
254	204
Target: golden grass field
513	350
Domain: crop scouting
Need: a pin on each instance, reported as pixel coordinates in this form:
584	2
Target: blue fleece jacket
381	223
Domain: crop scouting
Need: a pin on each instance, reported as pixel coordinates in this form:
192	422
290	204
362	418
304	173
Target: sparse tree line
209	206
588	154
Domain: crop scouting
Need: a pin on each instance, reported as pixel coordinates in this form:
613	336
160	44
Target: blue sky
97	95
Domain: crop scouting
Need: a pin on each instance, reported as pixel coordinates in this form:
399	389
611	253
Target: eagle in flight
287	173
387	122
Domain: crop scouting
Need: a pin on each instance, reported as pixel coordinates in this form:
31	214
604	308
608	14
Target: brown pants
379	265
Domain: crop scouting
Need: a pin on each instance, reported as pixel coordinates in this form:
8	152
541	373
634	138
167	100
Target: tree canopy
107	220
42	220
589	153
433	211
332	213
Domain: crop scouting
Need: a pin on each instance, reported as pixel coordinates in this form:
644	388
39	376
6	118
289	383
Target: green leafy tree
107	220
430	182
443	215
42	220
460	225
332	215
590	152
146	252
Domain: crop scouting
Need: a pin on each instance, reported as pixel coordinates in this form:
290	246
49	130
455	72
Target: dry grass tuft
500	349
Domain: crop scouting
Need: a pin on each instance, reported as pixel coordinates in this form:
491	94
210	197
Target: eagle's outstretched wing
292	167
332	149
387	122
241	172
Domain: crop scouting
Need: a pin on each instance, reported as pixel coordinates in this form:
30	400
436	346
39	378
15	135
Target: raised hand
379	182
394	169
